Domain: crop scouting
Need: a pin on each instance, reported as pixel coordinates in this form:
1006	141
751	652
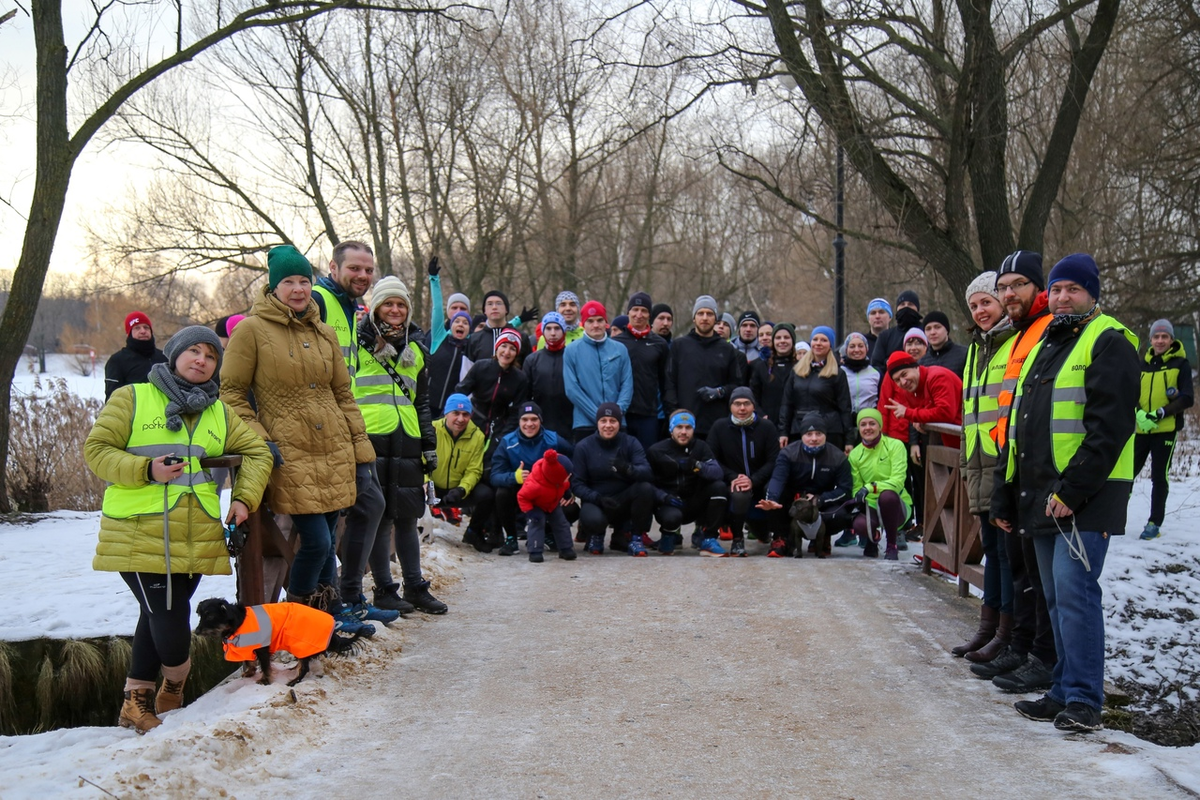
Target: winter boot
1006	662
420	597
477	539
388	598
137	711
989	618
997	644
170	694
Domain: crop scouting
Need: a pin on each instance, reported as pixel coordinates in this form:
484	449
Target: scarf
392	340
812	451
1074	320
856	364
183	396
638	334
743	423
873	442
556	346
143	347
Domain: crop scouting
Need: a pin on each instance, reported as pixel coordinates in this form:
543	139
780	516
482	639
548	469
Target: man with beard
908	316
648	356
338	294
746	446
132	363
704	369
661	320
688	485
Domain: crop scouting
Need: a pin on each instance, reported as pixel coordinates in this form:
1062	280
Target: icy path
616	677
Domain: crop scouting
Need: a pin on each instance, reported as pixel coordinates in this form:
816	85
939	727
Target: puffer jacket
294	367
460	461
197	540
516	448
768	383
829	397
546	484
977	472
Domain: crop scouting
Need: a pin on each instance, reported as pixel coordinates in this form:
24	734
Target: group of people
341	405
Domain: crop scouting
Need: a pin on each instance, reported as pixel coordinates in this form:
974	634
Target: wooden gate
951	530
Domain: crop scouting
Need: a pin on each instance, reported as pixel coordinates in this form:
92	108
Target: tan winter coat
295	369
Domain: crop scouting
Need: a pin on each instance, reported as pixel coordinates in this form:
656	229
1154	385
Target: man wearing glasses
1027	664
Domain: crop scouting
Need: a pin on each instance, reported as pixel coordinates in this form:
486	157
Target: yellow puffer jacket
197	540
295	369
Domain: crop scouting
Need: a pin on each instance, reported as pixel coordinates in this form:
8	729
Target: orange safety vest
1023	345
296	628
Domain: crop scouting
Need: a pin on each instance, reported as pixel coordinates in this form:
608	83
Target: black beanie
609	410
658	309
812	422
529	407
908	296
640	300
748	315
220	327
496	293
1025	263
936	316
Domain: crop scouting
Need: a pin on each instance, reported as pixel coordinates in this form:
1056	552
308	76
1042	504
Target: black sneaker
568	554
536	558
1032	676
1044	709
738	548
388	598
478	540
420	597
1007	661
1078	717
510	547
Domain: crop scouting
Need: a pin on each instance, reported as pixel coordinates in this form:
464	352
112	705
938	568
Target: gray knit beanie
193	334
984	282
704	301
1162	326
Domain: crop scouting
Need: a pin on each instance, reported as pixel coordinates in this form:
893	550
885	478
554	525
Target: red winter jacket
938	399
545	484
888	391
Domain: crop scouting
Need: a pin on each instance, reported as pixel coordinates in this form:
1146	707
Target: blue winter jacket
515	449
594	373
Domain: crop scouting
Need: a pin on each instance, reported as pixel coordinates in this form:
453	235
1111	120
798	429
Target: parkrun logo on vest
1078	367
213	435
156	424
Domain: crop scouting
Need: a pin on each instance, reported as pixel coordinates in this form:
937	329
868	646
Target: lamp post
839	251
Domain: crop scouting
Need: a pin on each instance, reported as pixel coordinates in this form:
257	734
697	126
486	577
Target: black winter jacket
697	362
826	474
953	357
829	397
1111	384
495	395
648	357
596	462
892	339
445	371
748	450
679	470
398	460
768	385
544	369
131	364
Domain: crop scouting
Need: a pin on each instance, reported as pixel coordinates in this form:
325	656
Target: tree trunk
53	163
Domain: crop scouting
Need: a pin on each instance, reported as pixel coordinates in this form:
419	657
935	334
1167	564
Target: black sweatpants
636	506
162	637
1158	447
1031	618
703	506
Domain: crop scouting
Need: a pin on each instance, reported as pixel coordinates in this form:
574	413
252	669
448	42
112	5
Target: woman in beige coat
292	363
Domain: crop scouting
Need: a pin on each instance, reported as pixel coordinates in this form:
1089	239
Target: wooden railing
951	530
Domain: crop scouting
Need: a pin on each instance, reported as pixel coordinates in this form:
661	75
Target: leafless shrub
45	457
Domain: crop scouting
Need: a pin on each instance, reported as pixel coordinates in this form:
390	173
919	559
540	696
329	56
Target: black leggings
162	637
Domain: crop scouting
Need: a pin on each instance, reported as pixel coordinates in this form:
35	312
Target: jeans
315	561
1076	605
997	574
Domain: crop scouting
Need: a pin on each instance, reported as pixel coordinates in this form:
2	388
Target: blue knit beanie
1079	268
879	302
826	331
457	402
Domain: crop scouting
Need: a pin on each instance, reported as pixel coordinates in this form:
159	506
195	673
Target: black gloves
528	314
861	495
434	268
622	467
710	393
675	500
275	454
610	504
367	334
453	496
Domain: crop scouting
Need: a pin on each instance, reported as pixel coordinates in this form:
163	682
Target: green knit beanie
284	262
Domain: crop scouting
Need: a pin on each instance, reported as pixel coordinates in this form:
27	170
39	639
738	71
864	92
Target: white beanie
389	287
984	282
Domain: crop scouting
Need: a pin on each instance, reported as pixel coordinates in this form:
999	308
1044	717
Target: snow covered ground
60	366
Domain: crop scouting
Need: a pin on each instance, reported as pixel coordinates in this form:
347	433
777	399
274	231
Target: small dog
300	630
808	524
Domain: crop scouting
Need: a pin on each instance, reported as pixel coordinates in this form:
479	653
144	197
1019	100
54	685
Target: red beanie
900	360
592	308
136	318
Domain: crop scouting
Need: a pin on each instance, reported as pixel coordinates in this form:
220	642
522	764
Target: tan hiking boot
170	694
137	711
